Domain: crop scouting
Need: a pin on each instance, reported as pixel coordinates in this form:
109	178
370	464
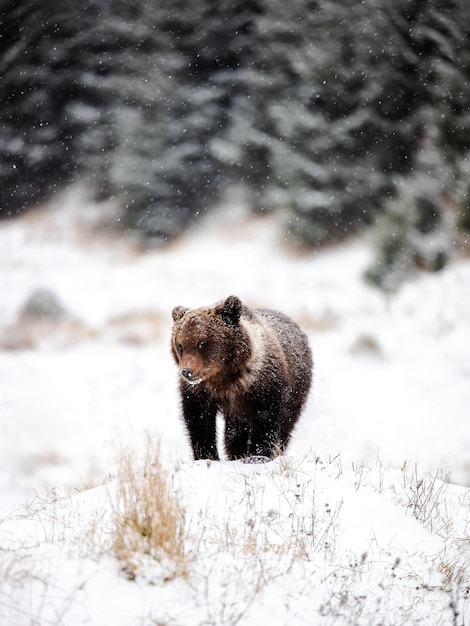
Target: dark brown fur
253	365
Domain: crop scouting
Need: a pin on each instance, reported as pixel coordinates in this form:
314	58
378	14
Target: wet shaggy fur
252	365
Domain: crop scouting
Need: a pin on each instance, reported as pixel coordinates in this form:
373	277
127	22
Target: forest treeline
350	114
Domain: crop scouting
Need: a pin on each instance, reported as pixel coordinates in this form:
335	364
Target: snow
365	521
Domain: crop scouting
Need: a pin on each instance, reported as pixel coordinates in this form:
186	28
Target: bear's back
294	344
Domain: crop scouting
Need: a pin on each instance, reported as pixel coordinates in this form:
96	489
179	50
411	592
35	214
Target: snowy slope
355	523
289	542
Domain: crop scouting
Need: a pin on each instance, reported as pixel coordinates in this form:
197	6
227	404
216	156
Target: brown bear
252	365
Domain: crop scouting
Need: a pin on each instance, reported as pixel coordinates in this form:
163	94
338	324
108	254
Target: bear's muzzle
189	376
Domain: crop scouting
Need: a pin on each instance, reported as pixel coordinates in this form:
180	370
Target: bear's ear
230	310
178	312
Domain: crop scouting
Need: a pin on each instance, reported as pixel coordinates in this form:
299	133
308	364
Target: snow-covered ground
355	526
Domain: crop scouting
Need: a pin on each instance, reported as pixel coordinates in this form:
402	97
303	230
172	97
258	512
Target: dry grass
423	496
134	328
148	517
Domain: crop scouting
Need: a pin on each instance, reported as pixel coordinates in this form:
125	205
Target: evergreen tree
114	41
455	118
266	100
166	170
36	136
379	74
134	94
416	228
169	164
56	116
414	232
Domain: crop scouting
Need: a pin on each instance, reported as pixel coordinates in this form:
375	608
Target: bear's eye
201	345
179	347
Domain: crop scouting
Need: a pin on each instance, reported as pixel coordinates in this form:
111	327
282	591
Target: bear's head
209	344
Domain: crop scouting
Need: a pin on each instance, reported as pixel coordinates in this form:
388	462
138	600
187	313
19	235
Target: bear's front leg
237	437
265	440
200	418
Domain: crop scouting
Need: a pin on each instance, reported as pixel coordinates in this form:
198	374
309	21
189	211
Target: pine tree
378	76
266	84
416	228
332	174
455	118
36	137
169	165
414	232
57	115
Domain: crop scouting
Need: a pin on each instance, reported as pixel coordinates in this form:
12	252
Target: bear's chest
243	404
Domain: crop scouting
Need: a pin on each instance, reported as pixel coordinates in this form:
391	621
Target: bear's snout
191	373
190	377
187	373
191	368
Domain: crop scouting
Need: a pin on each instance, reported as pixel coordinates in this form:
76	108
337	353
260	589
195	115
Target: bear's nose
187	373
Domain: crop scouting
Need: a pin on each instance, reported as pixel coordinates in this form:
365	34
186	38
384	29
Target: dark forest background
350	115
